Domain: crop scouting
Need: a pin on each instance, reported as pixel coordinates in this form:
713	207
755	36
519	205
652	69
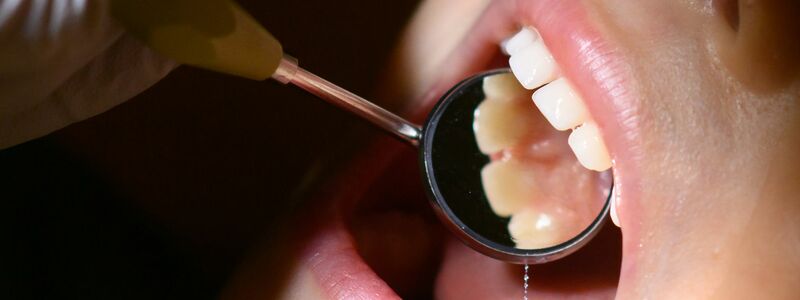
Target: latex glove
62	61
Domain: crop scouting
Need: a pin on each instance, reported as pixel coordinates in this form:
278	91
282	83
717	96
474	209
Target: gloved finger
117	74
64	61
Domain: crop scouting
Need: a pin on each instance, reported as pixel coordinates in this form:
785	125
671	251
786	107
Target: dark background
160	197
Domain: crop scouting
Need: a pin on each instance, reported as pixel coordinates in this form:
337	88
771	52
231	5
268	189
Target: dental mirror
452	164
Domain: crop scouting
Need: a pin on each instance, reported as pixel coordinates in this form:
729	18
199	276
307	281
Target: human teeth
509	185
560	104
533	65
524	37
503	87
589	148
531	229
502	124
613	204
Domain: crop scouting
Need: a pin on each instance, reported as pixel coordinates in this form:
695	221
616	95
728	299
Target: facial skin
717	105
704	130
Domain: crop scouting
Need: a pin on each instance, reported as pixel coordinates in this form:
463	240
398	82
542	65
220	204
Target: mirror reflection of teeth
531	229
504	119
533	66
505	122
503	87
525	179
509	185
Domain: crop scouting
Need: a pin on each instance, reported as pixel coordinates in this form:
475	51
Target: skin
713	221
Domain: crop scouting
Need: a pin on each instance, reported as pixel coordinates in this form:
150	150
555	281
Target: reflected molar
509	186
505	117
532	64
531	229
503	87
561	105
588	146
499	125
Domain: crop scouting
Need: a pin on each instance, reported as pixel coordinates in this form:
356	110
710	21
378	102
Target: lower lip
331	253
330	263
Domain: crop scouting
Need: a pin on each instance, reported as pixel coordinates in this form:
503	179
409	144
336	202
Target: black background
160	197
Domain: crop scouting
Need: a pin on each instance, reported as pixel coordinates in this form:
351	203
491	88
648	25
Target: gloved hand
62	61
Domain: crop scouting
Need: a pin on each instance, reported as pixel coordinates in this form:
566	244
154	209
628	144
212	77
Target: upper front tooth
560	104
524	37
614	216
533	65
588	146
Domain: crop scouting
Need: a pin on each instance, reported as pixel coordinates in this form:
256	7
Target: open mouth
372	234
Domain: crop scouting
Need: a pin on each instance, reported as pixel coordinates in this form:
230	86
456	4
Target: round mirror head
503	180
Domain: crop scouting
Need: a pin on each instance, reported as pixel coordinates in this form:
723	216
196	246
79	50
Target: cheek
679	84
637	24
757	42
690	104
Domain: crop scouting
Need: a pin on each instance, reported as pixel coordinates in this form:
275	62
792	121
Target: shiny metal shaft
289	72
